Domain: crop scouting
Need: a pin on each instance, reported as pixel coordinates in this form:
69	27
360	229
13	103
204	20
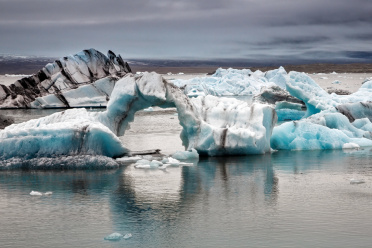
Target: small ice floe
182	155
334	73
181	73
149	109
114	237
36	193
127	236
356	181
169	73
323	78
138	73
350	146
128	159
336	82
146	164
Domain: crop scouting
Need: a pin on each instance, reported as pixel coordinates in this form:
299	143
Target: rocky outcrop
62	75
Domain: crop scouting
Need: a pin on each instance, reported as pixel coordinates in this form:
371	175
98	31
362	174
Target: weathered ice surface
275	94
211	125
56	82
5	121
356	110
325	130
316	99
71	132
226	82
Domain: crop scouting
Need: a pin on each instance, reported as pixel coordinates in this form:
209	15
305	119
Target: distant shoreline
31	67
308	68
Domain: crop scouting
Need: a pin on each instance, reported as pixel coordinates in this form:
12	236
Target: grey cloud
196	29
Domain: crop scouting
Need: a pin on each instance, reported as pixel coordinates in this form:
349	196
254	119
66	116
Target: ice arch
211	125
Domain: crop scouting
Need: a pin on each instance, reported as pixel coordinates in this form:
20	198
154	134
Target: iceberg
211	125
316	99
58	83
231	82
326	130
70	132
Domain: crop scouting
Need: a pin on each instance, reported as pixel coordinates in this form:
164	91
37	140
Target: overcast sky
262	30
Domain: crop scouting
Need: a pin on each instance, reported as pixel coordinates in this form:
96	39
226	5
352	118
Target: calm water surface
287	199
284	199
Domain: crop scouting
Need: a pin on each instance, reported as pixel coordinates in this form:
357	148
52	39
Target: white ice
186	155
71	132
114	237
232	82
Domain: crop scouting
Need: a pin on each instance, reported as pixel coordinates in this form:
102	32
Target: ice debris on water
128	159
117	236
356	181
36	193
114	236
161	165
127	236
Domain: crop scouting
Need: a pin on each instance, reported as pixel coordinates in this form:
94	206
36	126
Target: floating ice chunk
146	164
128	159
183	155
36	193
48	193
163	167
350	146
127	236
356	181
323	78
334	73
71	132
155	164
173	161
114	237
317	133
336	82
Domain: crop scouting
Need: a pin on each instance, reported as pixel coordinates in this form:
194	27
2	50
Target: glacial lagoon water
284	199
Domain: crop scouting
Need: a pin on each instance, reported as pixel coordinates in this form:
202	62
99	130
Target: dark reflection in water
219	202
